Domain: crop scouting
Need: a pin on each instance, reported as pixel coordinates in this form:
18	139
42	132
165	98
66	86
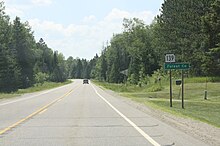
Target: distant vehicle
85	81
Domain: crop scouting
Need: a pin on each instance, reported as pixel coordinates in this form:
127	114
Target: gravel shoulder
203	131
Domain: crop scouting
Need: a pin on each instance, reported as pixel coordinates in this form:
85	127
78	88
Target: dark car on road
85	81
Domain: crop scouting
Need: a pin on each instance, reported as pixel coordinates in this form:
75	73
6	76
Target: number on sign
170	58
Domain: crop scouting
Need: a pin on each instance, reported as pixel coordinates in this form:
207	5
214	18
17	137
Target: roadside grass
196	107
45	86
202	79
8	95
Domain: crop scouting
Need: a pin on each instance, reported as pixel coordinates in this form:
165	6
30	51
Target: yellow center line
59	100
41	110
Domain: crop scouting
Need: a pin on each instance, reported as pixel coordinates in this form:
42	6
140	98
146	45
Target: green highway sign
176	66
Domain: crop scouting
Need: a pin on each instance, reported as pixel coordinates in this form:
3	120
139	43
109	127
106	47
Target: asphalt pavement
82	115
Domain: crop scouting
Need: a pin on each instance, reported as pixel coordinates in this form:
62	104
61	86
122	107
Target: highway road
82	115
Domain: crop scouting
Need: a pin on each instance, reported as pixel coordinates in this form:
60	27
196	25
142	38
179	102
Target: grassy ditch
195	106
45	86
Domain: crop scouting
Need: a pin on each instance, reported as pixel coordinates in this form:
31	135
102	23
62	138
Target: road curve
82	115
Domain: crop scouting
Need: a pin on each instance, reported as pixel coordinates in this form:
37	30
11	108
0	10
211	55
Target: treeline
188	29
23	61
81	68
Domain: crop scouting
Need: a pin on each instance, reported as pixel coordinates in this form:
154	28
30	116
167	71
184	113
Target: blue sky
79	28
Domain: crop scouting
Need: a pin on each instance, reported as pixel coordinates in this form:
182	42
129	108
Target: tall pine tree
23	43
9	71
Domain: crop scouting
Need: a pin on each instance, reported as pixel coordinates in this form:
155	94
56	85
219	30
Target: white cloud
7	0
47	26
13	11
117	14
41	2
20	9
86	39
16	9
89	19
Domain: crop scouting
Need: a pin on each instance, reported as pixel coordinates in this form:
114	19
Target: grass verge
196	107
45	86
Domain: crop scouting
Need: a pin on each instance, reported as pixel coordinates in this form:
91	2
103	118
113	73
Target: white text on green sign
176	66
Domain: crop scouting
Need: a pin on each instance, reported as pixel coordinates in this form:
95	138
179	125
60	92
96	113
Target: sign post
169	65
170	58
182	89
171	105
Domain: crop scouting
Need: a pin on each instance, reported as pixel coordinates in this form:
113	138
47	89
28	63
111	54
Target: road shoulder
202	131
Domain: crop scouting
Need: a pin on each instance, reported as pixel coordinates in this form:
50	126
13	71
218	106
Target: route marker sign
169	58
182	66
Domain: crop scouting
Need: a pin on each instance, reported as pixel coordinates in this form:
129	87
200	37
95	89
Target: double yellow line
35	113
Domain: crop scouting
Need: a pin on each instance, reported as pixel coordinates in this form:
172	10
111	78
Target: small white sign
169	58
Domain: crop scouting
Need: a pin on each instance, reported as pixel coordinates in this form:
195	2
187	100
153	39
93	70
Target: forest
188	29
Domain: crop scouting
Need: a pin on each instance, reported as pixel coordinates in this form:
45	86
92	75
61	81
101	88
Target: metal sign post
182	89
171	89
170	58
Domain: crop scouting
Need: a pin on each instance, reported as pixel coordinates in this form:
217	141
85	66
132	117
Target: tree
70	65
40	78
79	69
180	26
24	62
211	27
59	73
92	67
116	58
23	42
45	57
142	55
101	68
8	66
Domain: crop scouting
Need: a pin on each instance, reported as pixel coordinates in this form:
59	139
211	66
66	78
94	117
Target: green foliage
37	87
188	29
179	29
45	86
23	61
202	79
211	28
80	68
131	51
133	79
195	105
101	68
40	78
23	43
9	71
119	87
59	73
155	88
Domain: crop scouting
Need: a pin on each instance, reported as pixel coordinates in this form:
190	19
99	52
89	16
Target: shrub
40	78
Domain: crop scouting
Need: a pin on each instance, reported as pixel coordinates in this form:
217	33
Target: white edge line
146	136
18	100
